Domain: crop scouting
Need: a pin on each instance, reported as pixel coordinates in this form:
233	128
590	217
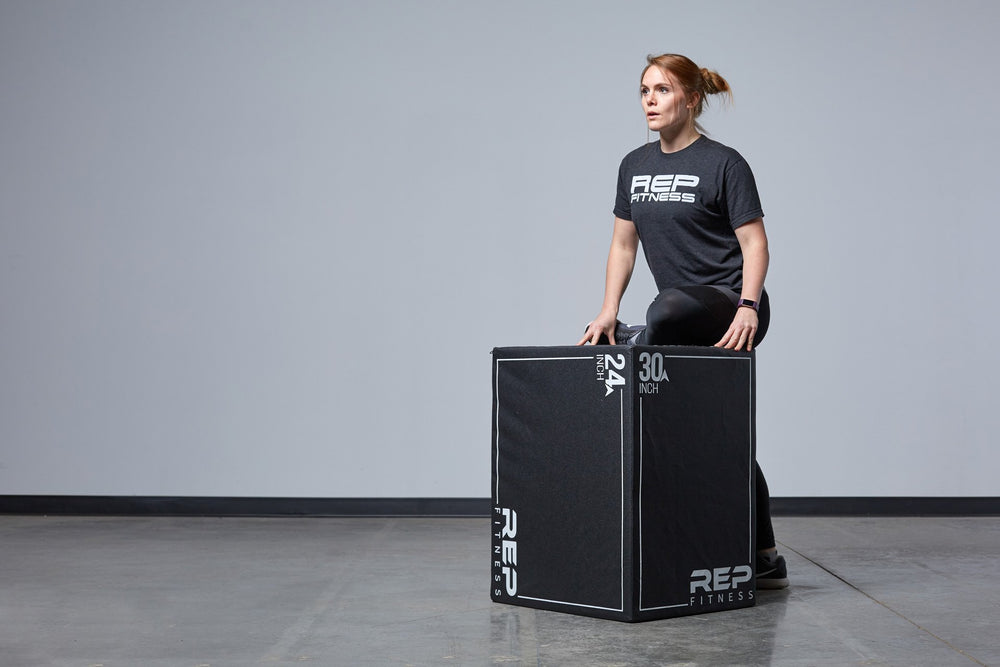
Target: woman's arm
621	261
753	244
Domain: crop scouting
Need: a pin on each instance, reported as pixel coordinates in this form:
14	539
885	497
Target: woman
693	204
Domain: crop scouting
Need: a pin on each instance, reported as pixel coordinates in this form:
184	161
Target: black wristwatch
748	303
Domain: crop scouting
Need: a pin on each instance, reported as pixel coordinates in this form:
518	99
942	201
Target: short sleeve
623	207
742	199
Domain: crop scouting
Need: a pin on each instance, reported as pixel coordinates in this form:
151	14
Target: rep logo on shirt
663	187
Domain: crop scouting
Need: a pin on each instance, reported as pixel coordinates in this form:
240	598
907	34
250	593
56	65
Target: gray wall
264	248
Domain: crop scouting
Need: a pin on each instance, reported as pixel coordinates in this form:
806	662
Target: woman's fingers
591	337
739	335
595	330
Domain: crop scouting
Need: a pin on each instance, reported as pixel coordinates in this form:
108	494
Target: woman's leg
765	531
771	571
696	315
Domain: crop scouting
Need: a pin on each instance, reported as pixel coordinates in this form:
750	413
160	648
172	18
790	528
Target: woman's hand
741	331
604	324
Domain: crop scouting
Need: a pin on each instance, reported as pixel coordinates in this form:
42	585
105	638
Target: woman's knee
670	306
675	318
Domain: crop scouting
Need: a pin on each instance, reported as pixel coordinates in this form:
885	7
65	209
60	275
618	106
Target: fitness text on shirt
663	187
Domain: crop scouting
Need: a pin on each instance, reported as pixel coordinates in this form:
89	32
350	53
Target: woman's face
664	101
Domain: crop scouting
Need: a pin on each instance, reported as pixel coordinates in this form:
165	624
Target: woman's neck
671	143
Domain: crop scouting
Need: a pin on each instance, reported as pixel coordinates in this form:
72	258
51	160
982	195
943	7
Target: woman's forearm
621	262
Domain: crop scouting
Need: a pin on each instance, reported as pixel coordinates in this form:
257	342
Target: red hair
693	79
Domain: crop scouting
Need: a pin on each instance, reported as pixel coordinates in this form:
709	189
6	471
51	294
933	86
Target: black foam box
623	480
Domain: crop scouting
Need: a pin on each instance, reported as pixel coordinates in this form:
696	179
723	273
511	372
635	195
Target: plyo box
623	480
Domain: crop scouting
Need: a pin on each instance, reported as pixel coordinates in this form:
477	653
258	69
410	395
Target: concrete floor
110	592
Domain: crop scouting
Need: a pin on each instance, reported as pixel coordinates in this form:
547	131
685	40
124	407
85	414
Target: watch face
747	302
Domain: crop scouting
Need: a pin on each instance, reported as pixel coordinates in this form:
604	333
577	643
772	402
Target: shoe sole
772	584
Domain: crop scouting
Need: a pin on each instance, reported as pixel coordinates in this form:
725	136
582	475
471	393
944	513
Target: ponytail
713	83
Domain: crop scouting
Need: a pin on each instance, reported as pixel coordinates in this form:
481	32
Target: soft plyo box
623	480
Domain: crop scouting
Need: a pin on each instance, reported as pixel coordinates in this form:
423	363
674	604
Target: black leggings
696	315
701	315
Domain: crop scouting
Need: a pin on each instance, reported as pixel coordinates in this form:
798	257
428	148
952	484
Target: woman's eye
664	90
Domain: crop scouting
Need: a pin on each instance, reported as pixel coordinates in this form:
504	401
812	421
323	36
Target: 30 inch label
651	372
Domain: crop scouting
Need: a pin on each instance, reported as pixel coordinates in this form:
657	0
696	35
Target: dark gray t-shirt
685	206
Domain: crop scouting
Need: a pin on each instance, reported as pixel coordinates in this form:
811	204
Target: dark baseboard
217	506
449	507
886	506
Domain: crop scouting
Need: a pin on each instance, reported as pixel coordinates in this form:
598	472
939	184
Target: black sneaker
772	573
625	334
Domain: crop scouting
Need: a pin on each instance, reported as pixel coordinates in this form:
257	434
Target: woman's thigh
696	315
